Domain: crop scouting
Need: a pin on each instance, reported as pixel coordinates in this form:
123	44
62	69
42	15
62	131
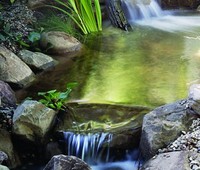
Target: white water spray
152	15
89	147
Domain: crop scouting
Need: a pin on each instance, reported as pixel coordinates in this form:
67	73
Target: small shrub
56	99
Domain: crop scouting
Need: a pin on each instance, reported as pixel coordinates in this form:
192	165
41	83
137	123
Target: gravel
188	141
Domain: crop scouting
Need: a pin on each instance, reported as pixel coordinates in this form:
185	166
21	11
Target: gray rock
37	60
163	125
7	95
62	162
13	70
3	157
168	161
36	3
59	42
6	146
33	120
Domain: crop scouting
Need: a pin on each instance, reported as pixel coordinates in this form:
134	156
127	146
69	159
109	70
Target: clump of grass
85	13
58	22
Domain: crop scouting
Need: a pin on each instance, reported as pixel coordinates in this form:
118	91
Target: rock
13	70
168	161
56	42
33	120
3	167
37	60
7	95
6	146
62	162
3	157
52	149
36	3
194	98
163	125
188	4
6	114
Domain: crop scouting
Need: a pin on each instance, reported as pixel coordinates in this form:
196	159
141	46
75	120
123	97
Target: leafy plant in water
85	13
56	99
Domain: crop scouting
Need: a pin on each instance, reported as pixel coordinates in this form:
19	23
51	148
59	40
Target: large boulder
56	42
13	70
7	95
37	60
168	161
32	120
62	162
6	146
163	125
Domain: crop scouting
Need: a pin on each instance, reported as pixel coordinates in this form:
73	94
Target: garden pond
151	65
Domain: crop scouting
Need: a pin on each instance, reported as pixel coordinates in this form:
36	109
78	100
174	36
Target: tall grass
85	13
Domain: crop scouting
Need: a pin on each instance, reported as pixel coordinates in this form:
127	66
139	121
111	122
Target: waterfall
89	147
141	11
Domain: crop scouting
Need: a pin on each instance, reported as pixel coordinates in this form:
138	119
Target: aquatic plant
85	13
57	99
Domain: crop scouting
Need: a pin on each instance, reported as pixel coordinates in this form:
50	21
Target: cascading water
150	14
89	147
141	11
95	150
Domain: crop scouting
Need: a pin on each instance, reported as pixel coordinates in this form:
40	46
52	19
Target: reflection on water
146	67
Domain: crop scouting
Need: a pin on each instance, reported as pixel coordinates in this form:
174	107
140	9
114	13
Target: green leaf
34	36
71	85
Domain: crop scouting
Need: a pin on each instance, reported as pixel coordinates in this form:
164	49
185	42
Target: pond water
151	65
146	66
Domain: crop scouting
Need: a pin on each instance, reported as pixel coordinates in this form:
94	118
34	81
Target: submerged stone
124	122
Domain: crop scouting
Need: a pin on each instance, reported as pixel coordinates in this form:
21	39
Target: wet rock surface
62	162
